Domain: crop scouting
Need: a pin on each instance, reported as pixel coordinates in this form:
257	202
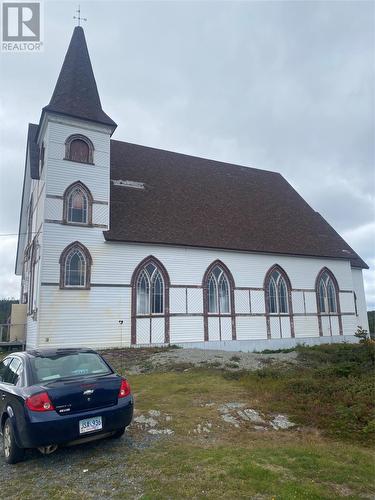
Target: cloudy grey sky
285	86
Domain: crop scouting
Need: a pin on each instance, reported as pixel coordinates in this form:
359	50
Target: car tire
119	433
12	452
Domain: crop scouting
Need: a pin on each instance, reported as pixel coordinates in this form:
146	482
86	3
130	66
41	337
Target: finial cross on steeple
79	18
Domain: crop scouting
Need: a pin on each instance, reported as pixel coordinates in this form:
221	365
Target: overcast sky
284	86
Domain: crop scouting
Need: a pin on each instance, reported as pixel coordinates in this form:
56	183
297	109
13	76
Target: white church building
121	244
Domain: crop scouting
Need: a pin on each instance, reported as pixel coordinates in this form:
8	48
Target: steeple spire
76	93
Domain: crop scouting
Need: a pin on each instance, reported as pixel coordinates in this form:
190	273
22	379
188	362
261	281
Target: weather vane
79	18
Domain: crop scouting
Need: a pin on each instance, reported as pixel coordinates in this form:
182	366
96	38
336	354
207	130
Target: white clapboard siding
298	302
335	329
186	329
143	330
53	209
213	328
310	302
157	330
61	175
358	287
195	300
32	333
306	326
349	324
251	328
326	326
59	131
109	267
84	317
241	298
114	264
257	302
347	302
285	327
275	327
177	300
100	214
226	328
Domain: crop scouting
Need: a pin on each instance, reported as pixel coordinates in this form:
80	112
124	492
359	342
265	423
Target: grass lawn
329	454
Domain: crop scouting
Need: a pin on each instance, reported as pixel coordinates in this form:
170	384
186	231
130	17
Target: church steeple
76	93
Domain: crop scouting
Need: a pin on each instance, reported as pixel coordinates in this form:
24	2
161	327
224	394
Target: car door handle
3	396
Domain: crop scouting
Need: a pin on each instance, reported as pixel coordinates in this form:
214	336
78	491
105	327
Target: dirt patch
135	361
218	359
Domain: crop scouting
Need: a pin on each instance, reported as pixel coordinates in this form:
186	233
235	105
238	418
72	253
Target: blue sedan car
52	397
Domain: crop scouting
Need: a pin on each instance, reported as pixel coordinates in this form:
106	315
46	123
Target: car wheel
12	452
119	433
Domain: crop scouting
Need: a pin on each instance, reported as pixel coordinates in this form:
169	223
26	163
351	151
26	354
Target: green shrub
332	388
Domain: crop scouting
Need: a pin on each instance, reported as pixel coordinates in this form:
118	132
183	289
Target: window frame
73	247
166	314
79	137
329	281
281	279
144	274
67	193
218	281
231	287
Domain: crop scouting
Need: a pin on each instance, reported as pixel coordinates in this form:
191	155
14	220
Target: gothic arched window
75	267
150	291
327	293
78	204
277	292
218	292
79	148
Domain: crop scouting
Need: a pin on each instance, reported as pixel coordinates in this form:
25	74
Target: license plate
90	425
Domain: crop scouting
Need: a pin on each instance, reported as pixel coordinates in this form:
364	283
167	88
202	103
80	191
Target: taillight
39	402
124	389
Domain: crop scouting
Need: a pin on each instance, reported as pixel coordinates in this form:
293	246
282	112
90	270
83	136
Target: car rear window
60	366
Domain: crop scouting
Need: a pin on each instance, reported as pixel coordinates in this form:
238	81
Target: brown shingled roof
193	201
76	93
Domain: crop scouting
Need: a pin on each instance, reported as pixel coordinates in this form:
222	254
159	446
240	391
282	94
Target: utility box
17	323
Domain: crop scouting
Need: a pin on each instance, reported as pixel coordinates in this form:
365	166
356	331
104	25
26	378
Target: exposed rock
230	419
169	432
154	413
147	422
281	422
227	407
251	415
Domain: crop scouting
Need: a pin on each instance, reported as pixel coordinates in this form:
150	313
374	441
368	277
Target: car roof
50	351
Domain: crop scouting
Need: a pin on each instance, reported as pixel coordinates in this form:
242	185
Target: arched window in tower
327	294
75	262
277	293
150	291
79	148
218	292
78	204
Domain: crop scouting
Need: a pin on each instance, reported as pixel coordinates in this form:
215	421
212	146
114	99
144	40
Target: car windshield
68	365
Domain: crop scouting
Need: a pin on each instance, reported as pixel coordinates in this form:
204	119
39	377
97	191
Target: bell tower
74	134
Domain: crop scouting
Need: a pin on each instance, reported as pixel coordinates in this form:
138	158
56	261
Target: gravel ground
220	359
92	470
